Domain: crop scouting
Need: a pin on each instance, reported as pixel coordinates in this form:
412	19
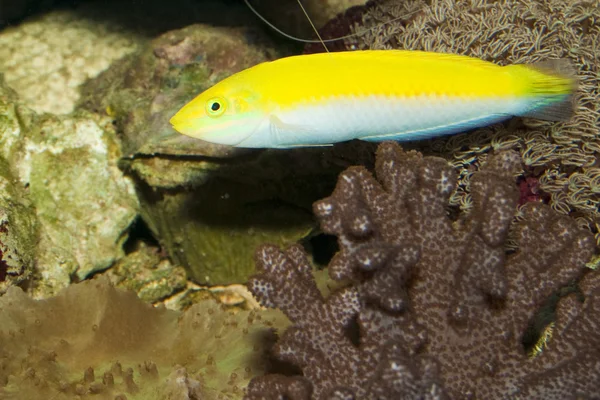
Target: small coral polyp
441	305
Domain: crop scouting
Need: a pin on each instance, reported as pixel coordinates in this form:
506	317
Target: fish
372	95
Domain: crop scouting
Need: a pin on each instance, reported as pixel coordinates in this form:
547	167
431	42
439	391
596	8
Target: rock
46	58
18	231
209	206
148	274
83	203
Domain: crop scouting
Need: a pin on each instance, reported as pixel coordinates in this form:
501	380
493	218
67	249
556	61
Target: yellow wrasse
374	95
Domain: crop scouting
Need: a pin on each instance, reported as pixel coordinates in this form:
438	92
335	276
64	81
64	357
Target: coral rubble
152	277
435	307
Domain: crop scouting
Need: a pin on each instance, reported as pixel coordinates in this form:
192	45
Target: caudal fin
552	84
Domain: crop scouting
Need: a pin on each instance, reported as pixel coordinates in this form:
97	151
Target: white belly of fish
378	118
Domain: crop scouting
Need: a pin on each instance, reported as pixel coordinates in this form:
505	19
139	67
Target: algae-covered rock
94	341
208	205
18	224
214	226
148	274
47	57
83	203
18	231
142	91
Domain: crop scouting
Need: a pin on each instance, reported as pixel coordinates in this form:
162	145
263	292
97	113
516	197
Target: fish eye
215	107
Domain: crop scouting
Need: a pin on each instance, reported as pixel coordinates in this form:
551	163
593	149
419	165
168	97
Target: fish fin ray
562	67
553	88
284	135
551	109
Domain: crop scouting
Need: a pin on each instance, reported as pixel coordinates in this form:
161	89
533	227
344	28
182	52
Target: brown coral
319	344
442	306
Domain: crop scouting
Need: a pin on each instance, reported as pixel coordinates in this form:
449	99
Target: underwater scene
299	199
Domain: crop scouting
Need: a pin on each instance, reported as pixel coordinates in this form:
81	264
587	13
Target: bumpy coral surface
441	306
562	156
95	341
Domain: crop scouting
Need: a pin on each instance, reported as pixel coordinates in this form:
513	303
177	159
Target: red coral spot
3	267
529	190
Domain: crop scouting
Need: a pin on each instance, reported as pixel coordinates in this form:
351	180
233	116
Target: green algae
18	232
148	274
64	172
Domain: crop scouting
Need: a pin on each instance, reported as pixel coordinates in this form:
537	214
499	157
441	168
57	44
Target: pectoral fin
285	135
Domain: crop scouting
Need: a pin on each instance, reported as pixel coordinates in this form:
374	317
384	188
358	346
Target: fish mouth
228	130
177	122
228	133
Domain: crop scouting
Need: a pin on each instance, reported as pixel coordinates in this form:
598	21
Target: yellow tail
552	84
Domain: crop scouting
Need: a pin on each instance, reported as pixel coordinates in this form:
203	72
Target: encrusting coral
560	156
434	307
95	341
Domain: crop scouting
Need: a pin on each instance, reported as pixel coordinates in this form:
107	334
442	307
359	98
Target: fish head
224	114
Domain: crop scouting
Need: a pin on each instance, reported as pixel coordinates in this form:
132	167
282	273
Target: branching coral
442	306
319	344
562	155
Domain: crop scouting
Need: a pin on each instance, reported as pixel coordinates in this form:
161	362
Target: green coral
95	341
